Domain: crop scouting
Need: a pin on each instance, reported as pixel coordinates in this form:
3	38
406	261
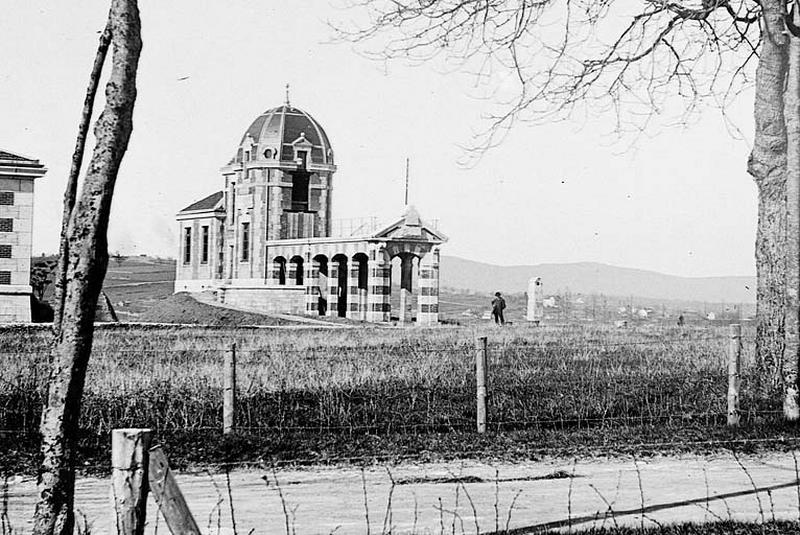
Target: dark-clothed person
498	305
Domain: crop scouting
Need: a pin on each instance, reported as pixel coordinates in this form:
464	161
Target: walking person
498	305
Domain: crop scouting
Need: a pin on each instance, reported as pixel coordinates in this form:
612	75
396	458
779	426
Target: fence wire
402	386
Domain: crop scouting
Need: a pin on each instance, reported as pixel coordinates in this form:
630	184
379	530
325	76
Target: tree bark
86	268
767	166
74	172
791	410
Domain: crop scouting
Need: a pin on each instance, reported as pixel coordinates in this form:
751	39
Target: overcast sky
680	202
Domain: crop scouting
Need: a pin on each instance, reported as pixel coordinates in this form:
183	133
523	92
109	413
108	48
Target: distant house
17	173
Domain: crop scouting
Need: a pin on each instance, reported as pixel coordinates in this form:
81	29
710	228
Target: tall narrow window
302	155
7	198
204	257
6	225
5	277
300	191
187	245
245	242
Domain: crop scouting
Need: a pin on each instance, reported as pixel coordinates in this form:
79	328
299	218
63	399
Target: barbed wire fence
405	388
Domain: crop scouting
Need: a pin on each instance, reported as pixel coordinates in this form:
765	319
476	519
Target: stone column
379	287
353	301
333	289
428	300
406	287
311	283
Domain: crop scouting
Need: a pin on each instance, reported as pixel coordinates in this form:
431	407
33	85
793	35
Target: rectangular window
6	225
187	245
204	258
7	198
5	277
300	191
5	251
245	242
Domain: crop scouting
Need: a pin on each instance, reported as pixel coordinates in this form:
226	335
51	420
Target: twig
569	496
511	508
364	489
641	490
230	499
217	507
283	500
753	483
609	508
474	510
388	516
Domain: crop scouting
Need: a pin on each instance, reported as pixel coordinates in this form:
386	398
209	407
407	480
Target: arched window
296	270
279	270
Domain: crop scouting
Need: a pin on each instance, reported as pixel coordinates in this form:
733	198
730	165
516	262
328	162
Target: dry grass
381	380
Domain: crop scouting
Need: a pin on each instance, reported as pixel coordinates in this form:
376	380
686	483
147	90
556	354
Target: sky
677	200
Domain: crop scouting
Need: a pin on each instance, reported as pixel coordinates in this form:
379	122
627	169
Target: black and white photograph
400	267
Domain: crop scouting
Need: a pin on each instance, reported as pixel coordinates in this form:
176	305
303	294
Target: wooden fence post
480	381
734	363
129	465
168	496
229	396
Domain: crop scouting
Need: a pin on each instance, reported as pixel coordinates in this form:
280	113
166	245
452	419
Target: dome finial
287	95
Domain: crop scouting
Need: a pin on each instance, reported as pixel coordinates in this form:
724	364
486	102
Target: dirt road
472	496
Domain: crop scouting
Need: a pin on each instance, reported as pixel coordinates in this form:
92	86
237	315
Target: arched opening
404	280
296	270
279	270
361	275
321	267
340	263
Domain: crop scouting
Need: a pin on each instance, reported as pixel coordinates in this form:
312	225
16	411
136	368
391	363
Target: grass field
316	395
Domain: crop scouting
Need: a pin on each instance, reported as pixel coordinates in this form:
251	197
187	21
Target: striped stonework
379	305
333	289
428	282
274	273
291	273
311	283
353	308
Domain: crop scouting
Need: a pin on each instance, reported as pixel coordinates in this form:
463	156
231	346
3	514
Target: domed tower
277	187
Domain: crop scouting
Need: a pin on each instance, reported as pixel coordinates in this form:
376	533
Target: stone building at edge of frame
17	173
267	241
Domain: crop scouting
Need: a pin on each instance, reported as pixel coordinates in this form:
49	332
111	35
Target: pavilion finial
287	95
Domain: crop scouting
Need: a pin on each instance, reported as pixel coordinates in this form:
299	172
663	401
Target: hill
594	278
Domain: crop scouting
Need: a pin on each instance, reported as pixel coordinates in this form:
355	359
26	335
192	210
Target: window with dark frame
245	242
187	245
5	251
7	198
204	257
5	277
6	225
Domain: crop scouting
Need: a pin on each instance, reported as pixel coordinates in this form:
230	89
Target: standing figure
498	305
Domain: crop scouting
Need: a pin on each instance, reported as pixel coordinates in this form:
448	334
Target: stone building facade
266	241
17	174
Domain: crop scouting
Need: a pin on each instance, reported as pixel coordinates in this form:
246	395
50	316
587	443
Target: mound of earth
183	308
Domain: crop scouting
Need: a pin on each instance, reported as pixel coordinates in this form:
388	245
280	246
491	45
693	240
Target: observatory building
17	174
267	241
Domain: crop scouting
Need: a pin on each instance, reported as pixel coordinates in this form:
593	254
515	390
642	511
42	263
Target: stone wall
281	299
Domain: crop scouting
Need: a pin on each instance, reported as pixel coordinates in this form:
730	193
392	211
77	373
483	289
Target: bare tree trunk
74	172
767	165
86	268
791	410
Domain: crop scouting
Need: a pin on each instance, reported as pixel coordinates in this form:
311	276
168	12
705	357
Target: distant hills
590	277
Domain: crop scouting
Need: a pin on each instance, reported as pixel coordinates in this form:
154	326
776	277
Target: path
328	499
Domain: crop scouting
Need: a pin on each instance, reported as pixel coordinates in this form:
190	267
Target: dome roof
277	129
